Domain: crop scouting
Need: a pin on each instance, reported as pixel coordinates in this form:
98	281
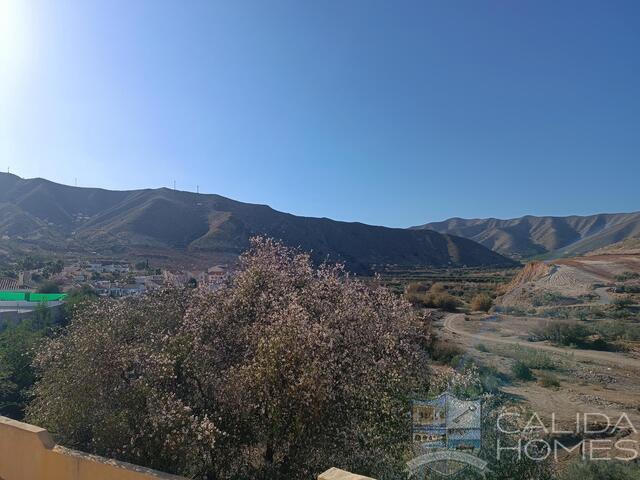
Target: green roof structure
10	296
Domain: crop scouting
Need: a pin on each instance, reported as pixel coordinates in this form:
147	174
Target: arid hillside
166	225
630	246
580	281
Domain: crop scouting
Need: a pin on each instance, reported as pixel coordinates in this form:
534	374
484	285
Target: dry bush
436	297
481	302
444	301
548	381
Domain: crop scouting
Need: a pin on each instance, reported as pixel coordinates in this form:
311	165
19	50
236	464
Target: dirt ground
574	281
604	267
590	381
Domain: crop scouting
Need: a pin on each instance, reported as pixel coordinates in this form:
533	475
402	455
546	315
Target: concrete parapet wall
337	474
29	453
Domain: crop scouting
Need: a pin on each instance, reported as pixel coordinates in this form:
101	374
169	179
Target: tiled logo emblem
447	432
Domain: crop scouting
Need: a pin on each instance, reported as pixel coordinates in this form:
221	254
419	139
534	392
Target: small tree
49	286
280	373
76	298
143	265
18	344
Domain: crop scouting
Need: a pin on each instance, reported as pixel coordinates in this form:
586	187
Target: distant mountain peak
531	236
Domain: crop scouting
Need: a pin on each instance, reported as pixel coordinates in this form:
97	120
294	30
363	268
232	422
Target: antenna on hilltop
174	184
197	188
76	181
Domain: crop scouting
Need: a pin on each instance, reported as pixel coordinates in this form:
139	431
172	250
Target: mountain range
175	227
531	236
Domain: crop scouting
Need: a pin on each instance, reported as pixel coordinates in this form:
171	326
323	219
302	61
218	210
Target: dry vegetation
289	368
282	372
561	338
455	289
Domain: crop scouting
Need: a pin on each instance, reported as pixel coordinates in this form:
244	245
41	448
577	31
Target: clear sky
386	112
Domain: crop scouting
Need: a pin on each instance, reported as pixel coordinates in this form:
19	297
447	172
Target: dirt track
453	324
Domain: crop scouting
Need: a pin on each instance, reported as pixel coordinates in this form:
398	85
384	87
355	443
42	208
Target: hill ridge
554	236
194	228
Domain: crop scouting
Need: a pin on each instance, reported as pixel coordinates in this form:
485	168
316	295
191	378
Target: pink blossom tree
281	373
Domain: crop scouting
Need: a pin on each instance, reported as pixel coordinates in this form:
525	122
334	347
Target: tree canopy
285	370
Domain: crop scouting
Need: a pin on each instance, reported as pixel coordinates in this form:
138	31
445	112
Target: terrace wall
28	452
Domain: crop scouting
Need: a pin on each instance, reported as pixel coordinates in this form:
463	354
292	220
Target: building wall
11	315
28	452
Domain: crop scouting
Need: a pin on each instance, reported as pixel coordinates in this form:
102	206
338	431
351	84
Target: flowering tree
281	373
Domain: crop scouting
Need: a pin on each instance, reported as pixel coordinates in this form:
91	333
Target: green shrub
586	313
551	298
18	345
555	312
491	379
564	333
521	371
444	352
509	310
627	276
531	357
623	314
600	335
481	347
601	470
627	289
49	286
612	330
622	303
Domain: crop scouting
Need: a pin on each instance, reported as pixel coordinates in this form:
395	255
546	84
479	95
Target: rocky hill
573	282
170	226
531	236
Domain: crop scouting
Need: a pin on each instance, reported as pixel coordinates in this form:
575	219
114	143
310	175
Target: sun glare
13	36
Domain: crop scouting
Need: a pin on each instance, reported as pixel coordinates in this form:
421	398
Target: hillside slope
175	226
569	282
556	236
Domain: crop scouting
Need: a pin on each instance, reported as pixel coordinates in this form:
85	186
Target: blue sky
386	112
